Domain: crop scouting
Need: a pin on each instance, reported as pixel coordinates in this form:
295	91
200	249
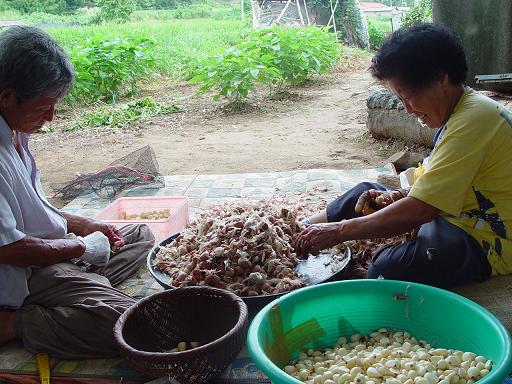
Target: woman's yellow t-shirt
469	176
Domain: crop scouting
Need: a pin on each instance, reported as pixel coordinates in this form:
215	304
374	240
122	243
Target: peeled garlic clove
468	356
355	371
355	338
420	370
320	370
473	372
373	372
439	352
327	375
289	369
304	373
431	377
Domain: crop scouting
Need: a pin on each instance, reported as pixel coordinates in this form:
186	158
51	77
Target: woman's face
432	105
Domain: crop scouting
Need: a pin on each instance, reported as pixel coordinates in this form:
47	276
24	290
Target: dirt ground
319	125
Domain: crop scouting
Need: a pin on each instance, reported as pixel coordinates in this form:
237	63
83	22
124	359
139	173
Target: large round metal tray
313	270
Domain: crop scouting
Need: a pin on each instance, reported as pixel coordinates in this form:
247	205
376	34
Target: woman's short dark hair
33	64
419	55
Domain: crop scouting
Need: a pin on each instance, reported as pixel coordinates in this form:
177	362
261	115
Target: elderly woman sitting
53	305
462	204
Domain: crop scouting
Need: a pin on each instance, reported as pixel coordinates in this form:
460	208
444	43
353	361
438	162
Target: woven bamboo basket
215	318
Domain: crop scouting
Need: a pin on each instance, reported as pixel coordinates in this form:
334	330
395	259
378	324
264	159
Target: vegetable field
177	41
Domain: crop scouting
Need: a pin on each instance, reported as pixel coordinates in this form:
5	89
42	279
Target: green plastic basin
315	317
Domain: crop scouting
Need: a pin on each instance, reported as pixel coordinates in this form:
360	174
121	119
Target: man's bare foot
7	320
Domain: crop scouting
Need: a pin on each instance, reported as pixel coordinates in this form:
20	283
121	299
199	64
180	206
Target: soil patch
319	125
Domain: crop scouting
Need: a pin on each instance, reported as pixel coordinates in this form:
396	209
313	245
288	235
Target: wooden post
333	19
395	20
283	11
332	12
306	10
255	13
300	12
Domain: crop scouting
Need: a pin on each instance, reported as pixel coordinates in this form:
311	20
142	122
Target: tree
354	23
29	6
420	13
118	11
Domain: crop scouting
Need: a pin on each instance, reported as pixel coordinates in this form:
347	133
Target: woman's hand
317	237
373	200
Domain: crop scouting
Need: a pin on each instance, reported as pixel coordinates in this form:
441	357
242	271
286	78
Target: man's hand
373	200
32	251
317	237
83	226
97	248
113	234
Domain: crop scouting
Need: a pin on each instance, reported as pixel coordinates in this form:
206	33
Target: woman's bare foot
7	320
320	217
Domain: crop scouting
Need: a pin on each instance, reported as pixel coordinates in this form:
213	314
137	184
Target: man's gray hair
33	64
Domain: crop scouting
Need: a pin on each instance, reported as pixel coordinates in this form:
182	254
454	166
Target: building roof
372	5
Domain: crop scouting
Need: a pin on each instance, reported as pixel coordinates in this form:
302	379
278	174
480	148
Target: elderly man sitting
50	301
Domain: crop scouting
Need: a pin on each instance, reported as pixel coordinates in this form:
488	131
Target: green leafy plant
233	73
271	56
117	11
296	53
377	35
139	111
420	13
108	69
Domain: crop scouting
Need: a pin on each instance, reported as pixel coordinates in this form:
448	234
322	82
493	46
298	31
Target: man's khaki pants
70	313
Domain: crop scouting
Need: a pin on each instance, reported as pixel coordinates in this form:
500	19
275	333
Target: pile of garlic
386	357
184	346
149	215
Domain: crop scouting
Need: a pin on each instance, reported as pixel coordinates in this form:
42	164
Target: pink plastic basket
162	228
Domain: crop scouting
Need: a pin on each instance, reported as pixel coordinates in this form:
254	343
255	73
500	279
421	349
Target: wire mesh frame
292	12
138	168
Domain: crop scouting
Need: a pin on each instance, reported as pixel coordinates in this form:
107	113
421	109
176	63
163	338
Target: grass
348	52
182	35
210	10
38	18
179	41
10	15
383	22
